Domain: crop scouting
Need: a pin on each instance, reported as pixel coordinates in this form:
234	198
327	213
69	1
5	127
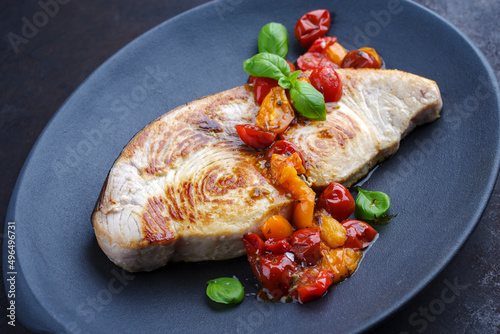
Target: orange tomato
277	227
374	54
343	262
284	173
336	53
275	112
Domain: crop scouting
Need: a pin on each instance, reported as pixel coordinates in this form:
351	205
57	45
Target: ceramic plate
439	181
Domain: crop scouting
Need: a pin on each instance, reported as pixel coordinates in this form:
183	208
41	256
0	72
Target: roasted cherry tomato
327	82
312	26
254	136
374	54
255	248
276	112
292	66
359	59
317	56
359	234
283	147
337	200
276	274
263	87
306	246
313	283
277	227
335	52
251	79
278	246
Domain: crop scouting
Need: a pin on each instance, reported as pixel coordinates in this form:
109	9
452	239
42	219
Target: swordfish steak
186	188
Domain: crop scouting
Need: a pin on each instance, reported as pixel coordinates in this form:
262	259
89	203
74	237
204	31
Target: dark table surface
40	72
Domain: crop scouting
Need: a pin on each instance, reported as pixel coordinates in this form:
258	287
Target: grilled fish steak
186	188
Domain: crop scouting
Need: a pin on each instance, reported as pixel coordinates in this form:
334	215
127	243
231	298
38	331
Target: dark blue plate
439	181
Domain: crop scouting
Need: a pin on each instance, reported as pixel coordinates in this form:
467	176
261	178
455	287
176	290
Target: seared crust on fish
186	188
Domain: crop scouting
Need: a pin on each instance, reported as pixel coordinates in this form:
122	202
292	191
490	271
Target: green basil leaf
293	77
267	65
273	38
308	101
225	290
371	205
285	83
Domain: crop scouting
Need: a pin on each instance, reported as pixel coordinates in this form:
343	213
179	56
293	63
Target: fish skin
186	188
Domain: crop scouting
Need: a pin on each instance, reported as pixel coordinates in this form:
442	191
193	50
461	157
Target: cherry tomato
359	234
306	246
254	136
255	248
292	66
278	246
316	56
251	79
276	274
336	53
337	200
283	147
374	54
277	227
359	59
313	283
276	112
312	26
327	82
263	87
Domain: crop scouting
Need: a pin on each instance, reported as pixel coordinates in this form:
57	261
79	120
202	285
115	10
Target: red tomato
263	87
313	284
337	200
292	67
359	59
317	55
276	273
255	137
255	247
283	147
278	246
327	82
312	26
359	234
251	79
306	246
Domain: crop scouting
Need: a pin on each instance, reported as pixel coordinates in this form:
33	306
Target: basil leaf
293	77
273	38
308	101
225	290
267	65
285	83
371	205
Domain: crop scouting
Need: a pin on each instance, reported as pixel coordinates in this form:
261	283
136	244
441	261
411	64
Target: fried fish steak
186	188
377	109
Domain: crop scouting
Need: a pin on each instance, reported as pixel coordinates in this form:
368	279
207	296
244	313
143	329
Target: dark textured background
40	76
